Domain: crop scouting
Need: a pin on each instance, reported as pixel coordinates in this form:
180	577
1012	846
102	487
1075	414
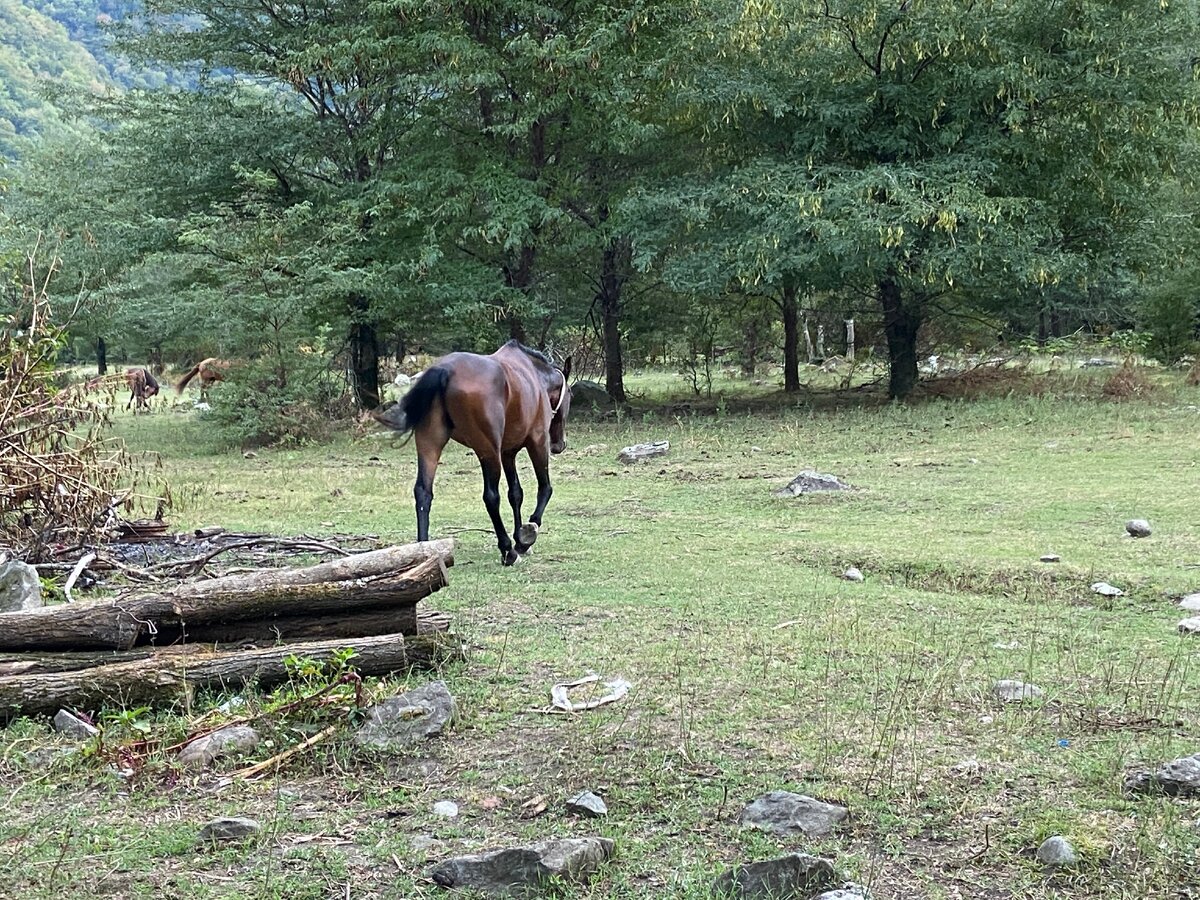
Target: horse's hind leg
430	442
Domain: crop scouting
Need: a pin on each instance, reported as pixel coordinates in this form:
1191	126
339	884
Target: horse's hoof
527	534
511	558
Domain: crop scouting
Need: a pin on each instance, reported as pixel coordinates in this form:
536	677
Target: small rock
1138	528
1180	778
810	482
1012	691
848	891
20	587
643	451
447	809
520	870
788	814
967	768
853	574
72	726
423	843
1190	603
1097	362
1190	626
398	722
1104	589
1056	852
204	751
232	828
1007	645
587	804
1050	558
249	454
794	875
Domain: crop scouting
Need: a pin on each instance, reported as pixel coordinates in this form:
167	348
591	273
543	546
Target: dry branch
170	676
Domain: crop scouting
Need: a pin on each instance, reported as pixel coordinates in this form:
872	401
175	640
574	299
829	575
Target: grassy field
754	666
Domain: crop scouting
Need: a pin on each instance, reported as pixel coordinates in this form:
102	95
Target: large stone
848	891
399	722
796	875
1190	603
1104	589
228	828
1012	691
204	751
587	395
1180	778
524	870
788	814
1190	625
72	726
20	587
810	482
638	452
1057	852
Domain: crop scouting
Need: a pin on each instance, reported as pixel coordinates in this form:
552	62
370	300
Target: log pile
156	647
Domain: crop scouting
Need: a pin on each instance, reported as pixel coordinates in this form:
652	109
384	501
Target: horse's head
561	407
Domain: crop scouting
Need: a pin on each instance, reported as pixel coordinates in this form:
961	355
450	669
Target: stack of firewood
157	647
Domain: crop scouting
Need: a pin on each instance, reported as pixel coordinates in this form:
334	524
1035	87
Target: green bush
1171	315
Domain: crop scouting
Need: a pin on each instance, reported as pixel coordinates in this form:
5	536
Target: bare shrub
1193	375
1127	382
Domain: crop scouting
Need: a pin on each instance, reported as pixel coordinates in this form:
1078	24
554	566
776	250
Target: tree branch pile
61	479
155	647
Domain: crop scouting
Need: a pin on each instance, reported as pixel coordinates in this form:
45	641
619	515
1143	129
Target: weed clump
1128	382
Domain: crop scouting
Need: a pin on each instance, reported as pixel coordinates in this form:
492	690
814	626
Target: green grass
754	666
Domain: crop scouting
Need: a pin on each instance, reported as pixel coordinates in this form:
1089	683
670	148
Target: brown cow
210	370
142	386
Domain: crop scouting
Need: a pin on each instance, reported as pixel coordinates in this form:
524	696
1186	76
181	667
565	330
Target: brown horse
142	386
497	405
210	370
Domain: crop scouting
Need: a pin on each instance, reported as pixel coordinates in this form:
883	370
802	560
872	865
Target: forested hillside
39	61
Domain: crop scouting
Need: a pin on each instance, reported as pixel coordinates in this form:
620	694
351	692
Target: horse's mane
530	352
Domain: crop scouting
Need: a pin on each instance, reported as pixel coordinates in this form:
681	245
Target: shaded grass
754	666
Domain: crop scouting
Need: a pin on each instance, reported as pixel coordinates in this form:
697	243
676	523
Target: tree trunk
750	349
156	360
364	355
395	576
850	340
171	675
614	272
901	325
791	343
101	357
519	276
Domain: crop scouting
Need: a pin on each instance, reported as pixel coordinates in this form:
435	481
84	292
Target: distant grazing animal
142	386
513	400
210	370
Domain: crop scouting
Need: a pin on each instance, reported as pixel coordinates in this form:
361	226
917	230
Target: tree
928	155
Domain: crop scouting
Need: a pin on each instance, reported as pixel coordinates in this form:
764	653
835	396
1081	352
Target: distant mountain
51	49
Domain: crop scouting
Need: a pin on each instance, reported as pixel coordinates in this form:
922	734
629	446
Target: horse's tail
414	407
192	373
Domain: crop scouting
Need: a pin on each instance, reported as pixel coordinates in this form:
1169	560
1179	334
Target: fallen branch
258	768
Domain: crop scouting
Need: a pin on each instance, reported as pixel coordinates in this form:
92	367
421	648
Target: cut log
170	676
389	620
391	577
429	621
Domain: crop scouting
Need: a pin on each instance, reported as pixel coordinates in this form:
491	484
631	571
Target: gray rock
587	395
810	482
447	809
204	751
1097	362
1057	852
524	870
848	891
1104	589
643	451
1013	691
230	828
1190	603
1050	558
796	875
20	587
399	722
853	574
72	726
1138	528
423	843
587	804
1179	778
1190	625
788	814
